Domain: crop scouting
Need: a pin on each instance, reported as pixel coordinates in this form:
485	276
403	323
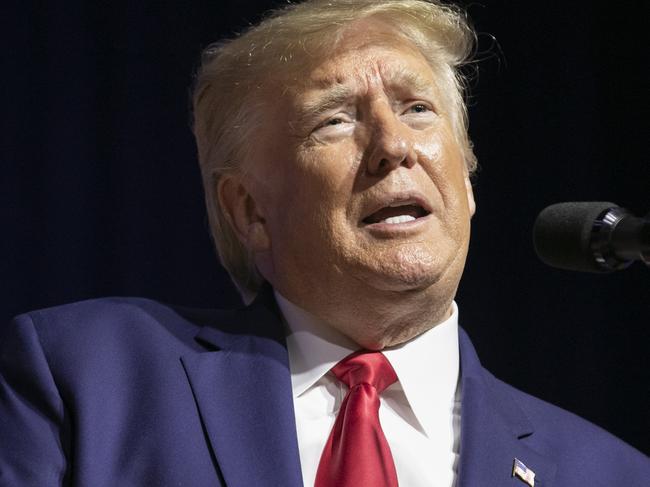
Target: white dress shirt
419	414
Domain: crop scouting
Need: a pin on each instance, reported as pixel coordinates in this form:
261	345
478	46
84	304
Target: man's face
359	183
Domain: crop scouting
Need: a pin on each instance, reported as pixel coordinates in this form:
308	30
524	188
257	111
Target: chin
408	271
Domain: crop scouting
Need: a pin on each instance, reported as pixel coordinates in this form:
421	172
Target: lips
397	210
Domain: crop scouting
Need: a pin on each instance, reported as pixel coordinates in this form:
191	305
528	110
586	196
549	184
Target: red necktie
356	453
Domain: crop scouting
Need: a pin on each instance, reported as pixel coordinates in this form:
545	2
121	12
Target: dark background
100	191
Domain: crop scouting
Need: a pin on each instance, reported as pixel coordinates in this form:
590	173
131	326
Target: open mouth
399	213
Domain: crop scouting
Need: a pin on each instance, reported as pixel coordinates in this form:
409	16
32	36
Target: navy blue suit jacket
131	392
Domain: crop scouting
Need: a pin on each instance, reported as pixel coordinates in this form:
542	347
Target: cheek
445	166
325	175
443	162
309	196
330	164
429	149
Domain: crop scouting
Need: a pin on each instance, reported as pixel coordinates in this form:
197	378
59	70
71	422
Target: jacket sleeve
33	431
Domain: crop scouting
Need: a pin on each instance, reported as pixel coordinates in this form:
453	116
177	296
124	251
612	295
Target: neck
385	321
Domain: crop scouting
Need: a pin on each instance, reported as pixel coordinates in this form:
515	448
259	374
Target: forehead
395	62
360	67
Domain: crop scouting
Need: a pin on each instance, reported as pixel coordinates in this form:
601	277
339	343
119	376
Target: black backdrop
100	191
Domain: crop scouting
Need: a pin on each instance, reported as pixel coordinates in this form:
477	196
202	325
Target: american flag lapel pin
523	472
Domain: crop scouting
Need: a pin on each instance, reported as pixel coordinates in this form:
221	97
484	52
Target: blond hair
231	81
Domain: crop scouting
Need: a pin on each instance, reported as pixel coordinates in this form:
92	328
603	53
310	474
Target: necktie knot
365	368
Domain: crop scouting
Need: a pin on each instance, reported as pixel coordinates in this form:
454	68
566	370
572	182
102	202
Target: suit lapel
243	393
493	430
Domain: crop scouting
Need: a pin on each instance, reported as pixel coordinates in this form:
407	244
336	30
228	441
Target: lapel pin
523	472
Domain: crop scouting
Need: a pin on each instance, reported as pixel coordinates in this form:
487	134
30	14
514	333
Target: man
333	145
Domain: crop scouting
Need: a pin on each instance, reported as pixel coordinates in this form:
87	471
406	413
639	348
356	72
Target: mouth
398	211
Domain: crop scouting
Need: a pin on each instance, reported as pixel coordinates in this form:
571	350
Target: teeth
393	220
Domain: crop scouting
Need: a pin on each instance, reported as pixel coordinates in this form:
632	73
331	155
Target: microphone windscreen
562	235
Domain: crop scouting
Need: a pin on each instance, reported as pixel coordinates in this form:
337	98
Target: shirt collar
427	366
314	347
428	369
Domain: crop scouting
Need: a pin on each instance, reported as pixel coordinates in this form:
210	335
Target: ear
471	203
243	213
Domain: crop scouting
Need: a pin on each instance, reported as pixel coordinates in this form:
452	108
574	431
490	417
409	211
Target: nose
390	145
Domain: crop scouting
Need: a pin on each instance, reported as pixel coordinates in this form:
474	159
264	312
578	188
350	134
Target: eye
338	126
418	108
419	115
334	121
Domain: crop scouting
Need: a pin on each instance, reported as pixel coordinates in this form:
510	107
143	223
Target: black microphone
591	237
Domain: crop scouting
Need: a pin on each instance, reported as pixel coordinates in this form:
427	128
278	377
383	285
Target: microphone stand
619	238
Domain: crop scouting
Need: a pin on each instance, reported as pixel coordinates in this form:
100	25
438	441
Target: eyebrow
335	94
413	80
328	99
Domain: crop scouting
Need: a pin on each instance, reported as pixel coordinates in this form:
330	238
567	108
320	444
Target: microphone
591	237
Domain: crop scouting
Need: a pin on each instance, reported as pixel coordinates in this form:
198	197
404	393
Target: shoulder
580	448
105	319
93	312
101	334
576	443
